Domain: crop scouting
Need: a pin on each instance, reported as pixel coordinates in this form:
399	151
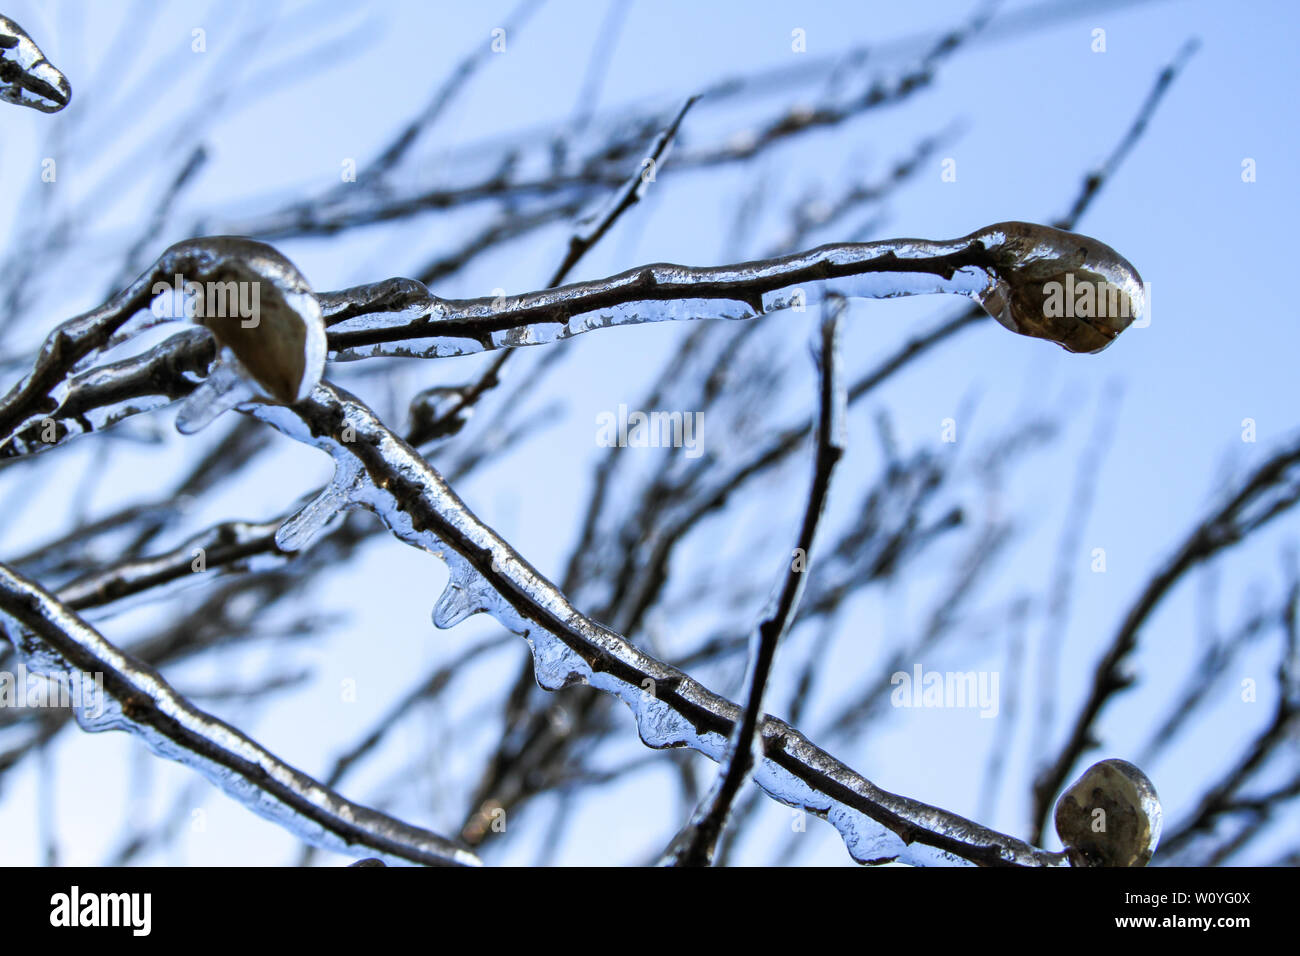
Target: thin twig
697	844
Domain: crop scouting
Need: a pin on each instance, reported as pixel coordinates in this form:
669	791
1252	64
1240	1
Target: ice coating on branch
26	77
258	308
381	473
232	547
1110	816
1035	280
56	643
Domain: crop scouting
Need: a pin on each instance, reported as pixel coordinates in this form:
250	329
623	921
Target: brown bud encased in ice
1110	816
1061	286
258	305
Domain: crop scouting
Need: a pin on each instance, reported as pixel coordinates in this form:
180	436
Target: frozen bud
26	77
1110	816
258	305
1057	285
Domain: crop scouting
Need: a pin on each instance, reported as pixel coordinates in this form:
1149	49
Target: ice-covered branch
1035	280
231	546
590	232
56	643
376	470
256	304
1021	273
697	844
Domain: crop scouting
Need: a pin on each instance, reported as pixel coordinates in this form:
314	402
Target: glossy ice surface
1110	816
26	77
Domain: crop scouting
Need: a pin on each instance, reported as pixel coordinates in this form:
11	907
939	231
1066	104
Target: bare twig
1271	489
697	844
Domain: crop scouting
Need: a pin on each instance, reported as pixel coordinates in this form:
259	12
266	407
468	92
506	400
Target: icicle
309	522
463	596
555	664
659	726
224	388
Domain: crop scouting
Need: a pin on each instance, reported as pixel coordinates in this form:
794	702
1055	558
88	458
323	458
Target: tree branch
56	643
697	844
376	470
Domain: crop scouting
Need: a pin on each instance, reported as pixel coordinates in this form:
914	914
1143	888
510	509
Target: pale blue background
1040	110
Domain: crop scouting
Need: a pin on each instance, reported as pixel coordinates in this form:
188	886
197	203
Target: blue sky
1037	111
